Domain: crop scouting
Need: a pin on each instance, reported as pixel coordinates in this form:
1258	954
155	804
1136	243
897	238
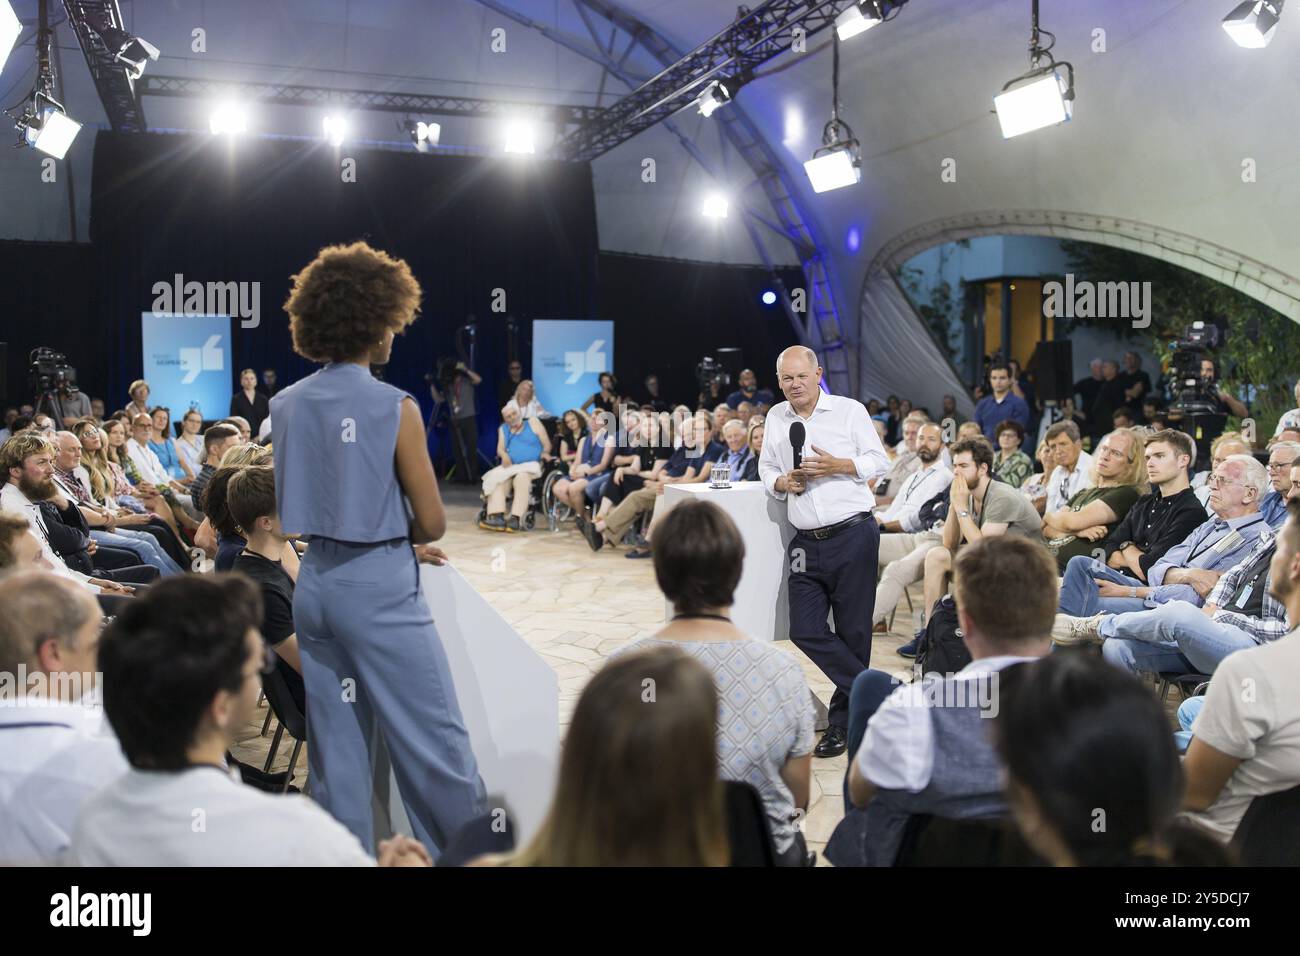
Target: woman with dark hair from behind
638	782
765	719
1093	776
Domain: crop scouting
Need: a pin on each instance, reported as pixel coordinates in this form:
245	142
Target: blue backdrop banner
187	362
568	357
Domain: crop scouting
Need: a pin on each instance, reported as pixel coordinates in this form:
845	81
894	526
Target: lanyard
1203	547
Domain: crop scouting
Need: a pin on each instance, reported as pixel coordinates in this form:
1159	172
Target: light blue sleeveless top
334	436
525	446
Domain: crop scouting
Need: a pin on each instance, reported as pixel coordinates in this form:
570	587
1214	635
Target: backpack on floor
943	649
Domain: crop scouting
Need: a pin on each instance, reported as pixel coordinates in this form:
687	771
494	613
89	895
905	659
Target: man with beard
28	463
904	542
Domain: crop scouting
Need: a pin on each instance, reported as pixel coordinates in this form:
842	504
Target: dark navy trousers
837	574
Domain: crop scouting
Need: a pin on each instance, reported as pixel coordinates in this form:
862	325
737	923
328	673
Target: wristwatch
963	514
1123	545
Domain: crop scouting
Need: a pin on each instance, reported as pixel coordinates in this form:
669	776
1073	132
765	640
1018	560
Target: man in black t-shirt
250	498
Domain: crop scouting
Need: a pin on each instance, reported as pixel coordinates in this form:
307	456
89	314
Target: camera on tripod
50	372
1193	394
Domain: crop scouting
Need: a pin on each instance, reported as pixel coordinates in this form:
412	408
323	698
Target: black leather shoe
833	743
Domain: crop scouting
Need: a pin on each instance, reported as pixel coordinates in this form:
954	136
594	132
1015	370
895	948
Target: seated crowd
149	657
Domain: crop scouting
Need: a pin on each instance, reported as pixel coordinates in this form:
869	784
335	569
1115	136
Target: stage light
715	206
858	18
10	27
1041	96
53	132
336	129
1253	23
228	118
836	164
853	239
520	137
131	51
769	297
425	135
718	93
834	168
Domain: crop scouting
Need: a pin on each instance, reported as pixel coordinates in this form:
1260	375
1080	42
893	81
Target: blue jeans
1079	589
1187	712
1172	637
596	486
870	688
143	546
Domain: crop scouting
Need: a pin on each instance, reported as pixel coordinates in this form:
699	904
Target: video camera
711	372
1192	394
50	372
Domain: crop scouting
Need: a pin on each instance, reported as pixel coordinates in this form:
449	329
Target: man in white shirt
1246	740
54	750
181	671
833	554
1072	472
924	747
1290	419
28	463
903	542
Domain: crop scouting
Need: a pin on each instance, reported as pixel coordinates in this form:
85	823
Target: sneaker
512	524
639	552
1070	631
493	523
911	648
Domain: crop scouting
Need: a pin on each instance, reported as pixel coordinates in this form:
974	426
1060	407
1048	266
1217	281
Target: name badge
1245	596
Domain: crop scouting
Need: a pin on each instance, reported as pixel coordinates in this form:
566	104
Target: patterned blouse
1014	469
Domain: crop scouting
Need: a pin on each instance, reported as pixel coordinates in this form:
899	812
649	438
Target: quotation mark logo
210	358
578	363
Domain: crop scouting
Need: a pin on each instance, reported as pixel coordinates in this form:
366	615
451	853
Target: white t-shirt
1252	712
206	816
53	756
897	751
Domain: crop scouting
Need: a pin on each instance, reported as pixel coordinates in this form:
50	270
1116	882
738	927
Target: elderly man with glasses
1280	458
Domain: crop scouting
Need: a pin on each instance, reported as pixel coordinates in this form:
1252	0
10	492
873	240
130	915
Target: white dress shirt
147	463
920	486
841	428
53	756
14	501
204	816
1063	485
897	751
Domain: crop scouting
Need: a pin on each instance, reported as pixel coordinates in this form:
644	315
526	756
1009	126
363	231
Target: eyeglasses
1215	480
1278	465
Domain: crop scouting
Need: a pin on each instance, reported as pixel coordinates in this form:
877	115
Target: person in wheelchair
522	446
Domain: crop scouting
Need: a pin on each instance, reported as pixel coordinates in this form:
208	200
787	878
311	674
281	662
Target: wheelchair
541	497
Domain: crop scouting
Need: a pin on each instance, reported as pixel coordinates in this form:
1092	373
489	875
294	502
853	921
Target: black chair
748	831
290	717
931	841
1187	684
1269	832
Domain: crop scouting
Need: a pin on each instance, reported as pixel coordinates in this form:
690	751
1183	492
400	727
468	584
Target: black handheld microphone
797	436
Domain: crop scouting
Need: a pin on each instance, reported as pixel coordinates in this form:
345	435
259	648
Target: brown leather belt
831	530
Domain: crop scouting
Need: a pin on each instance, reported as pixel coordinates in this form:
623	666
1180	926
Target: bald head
799	375
67	450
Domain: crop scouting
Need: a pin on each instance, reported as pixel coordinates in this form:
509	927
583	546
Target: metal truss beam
117	91
753	39
821	329
288	94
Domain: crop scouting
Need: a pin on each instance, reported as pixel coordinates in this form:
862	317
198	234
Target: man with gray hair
55	749
1273	507
833	553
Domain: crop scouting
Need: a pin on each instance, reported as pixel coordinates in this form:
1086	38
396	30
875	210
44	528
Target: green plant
939	311
1262	347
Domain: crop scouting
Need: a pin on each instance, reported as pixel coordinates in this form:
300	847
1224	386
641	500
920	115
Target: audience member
1002	405
522	443
614	804
1094	512
749	391
923	748
765	715
1228	443
217	440
138	404
1010	463
163	444
1280	458
249	403
1092	776
189	444
525	401
1246	745
54	750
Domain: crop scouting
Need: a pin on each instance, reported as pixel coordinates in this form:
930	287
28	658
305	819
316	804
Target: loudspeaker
1053	368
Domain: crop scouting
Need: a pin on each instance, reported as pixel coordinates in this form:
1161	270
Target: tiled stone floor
574	607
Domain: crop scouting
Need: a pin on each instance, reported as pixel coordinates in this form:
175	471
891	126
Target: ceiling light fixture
1041	96
1251	24
838	163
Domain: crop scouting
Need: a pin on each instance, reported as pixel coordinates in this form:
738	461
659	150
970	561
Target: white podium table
509	698
762	605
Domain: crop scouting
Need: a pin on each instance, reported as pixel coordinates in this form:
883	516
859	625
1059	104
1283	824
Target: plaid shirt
1273	623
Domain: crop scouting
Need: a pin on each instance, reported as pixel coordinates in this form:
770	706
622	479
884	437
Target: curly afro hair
346	298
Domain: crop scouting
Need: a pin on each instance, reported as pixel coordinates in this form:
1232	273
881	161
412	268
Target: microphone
797	435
